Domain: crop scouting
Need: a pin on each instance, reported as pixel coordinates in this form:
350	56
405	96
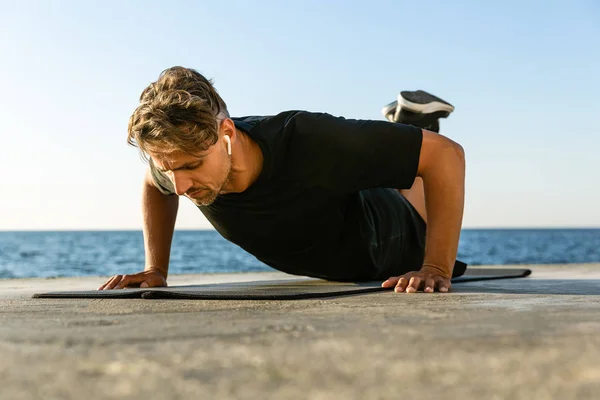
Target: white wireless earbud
226	138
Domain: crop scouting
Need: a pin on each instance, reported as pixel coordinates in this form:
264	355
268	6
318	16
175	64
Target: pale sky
524	77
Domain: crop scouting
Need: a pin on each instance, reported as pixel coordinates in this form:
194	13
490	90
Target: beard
208	196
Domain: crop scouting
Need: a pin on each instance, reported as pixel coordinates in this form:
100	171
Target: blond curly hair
181	111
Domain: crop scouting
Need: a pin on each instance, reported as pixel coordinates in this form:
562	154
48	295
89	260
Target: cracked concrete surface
532	338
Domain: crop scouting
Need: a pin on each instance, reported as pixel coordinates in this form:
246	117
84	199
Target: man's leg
423	110
416	196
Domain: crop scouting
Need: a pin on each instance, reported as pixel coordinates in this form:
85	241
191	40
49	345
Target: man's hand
150	278
429	278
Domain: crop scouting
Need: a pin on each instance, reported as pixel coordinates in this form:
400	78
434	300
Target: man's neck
247	163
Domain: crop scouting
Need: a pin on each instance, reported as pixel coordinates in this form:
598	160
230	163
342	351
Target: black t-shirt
301	215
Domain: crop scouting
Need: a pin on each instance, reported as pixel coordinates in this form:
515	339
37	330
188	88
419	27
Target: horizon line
214	230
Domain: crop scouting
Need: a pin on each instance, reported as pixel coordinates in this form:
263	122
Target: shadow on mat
589	287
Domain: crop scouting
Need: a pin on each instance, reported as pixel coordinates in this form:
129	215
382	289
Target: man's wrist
162	271
436	269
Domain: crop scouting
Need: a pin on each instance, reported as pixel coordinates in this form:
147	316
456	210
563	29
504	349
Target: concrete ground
531	338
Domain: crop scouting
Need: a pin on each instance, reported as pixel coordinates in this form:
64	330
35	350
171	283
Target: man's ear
228	127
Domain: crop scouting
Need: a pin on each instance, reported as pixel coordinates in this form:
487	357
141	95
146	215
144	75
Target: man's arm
160	213
442	168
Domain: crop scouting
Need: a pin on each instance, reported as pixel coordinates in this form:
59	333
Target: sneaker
418	108
424	103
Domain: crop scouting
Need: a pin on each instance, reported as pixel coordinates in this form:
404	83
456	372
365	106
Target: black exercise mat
272	290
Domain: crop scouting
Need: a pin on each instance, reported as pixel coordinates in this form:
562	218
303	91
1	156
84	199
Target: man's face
200	177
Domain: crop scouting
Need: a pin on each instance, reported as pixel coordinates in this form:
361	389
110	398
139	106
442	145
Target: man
306	193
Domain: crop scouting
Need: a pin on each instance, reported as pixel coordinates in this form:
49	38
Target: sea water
100	253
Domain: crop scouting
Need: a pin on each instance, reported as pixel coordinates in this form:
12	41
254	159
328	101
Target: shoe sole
423	102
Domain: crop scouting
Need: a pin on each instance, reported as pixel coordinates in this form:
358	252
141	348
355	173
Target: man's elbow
459	158
452	153
447	144
459	150
439	151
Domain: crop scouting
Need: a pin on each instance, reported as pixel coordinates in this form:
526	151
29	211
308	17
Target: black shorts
393	231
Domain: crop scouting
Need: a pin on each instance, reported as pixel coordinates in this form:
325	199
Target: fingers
402	284
124	282
390	282
111	283
141	279
399	283
443	285
429	285
121	281
412	282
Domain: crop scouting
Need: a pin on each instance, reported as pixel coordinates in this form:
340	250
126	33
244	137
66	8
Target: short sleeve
346	155
161	181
